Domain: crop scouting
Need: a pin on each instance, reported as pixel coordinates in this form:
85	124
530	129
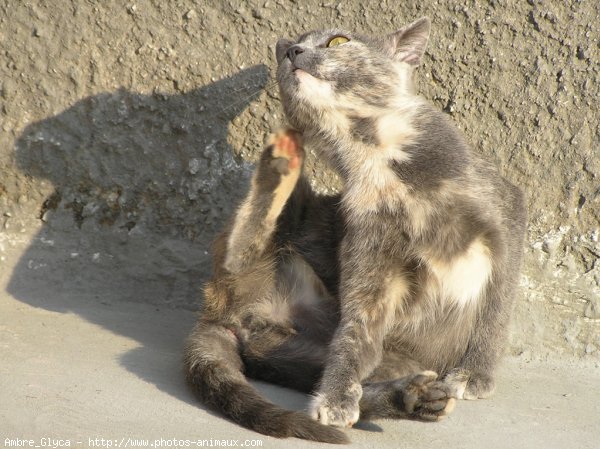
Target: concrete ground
98	371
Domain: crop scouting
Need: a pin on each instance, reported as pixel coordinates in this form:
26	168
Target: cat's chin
302	76
316	91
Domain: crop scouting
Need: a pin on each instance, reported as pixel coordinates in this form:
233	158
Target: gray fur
411	269
362	129
439	153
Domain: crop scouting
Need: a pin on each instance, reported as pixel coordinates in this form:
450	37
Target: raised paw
340	412
279	168
424	397
286	151
470	385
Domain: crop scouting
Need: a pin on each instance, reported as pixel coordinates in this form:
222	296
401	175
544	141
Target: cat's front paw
340	410
467	384
286	151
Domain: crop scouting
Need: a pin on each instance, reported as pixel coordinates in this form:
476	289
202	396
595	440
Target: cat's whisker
247	97
244	88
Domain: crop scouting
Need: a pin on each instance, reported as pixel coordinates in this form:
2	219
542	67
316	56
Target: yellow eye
339	40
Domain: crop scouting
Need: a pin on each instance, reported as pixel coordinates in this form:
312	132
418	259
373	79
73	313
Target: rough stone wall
127	132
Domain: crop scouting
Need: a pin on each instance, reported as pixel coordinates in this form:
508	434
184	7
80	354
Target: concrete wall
127	132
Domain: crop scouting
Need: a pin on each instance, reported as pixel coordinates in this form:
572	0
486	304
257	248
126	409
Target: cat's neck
362	142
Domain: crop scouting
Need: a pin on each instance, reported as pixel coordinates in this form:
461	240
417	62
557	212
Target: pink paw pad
287	145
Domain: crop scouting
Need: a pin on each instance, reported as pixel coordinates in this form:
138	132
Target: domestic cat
389	299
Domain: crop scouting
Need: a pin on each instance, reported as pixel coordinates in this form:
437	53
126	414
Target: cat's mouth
295	69
303	75
299	72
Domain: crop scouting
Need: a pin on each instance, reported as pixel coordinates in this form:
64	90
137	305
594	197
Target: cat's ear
408	44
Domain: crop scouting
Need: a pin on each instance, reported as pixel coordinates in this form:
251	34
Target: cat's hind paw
425	398
279	167
286	150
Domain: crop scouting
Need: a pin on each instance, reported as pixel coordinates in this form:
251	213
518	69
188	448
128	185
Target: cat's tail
214	371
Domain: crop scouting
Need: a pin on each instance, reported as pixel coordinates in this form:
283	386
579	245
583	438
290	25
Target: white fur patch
396	128
396	292
463	278
339	415
318	92
373	184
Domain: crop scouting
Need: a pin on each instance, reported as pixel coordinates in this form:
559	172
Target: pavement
92	370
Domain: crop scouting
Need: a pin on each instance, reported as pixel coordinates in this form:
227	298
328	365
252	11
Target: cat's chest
376	192
372	184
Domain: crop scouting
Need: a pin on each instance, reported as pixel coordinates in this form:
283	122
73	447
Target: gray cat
388	300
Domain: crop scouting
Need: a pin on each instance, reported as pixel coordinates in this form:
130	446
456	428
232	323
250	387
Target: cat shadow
141	185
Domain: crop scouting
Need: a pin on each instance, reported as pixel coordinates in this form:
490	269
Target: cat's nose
281	49
294	51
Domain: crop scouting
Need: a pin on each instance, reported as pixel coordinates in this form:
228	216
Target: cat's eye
338	40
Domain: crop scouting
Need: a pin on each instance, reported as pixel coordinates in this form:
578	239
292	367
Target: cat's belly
302	301
462	279
435	321
433	335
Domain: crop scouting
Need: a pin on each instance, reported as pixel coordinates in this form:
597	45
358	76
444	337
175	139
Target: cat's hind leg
291	346
235	309
214	370
275	177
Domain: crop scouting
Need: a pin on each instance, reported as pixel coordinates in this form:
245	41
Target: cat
390	299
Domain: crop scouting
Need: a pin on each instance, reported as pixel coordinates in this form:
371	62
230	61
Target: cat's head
324	73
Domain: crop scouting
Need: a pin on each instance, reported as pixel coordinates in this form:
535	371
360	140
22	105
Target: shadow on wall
142	184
